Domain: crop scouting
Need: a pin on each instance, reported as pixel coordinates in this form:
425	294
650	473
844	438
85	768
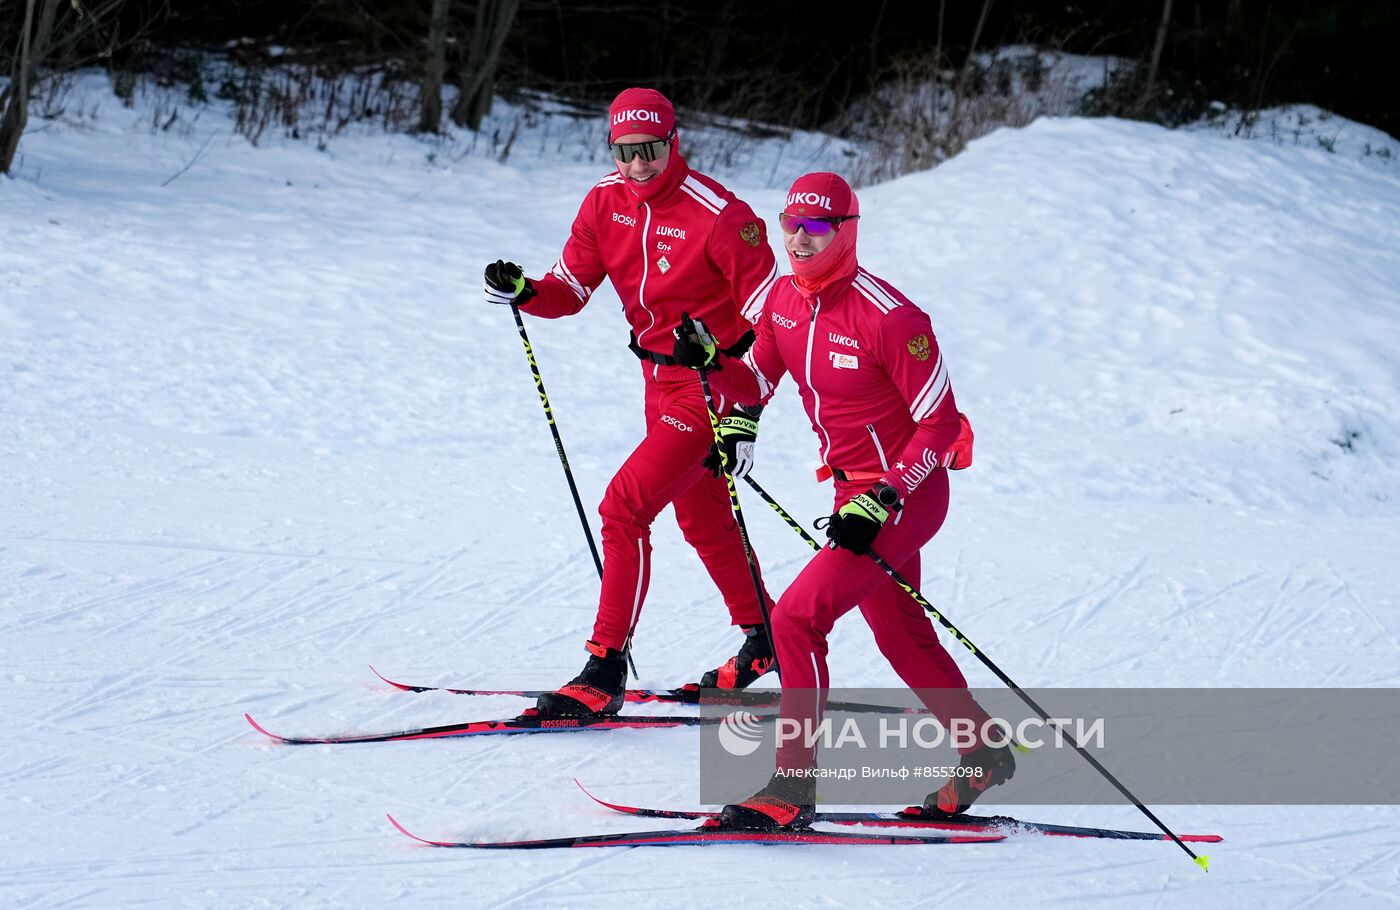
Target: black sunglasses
647	151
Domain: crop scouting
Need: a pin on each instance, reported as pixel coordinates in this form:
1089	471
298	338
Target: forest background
920	78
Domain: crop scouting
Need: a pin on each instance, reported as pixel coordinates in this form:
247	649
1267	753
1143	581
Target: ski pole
1202	860
564	460
739	516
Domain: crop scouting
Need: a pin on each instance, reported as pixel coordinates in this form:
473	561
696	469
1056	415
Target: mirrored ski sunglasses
815	227
647	151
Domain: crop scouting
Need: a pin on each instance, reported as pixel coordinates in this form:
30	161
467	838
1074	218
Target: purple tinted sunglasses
815	227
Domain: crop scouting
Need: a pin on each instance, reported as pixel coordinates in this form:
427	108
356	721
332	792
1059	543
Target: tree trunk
872	68
494	19
42	46
711	70
1150	88
938	69
1234	17
956	132
430	113
33	45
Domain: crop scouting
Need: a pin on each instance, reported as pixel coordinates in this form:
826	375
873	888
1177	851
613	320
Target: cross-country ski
708	834
920	817
505	726
689	694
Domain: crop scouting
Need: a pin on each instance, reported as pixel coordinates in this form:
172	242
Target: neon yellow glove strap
736	425
866	506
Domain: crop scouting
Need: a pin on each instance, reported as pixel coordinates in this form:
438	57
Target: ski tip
407	833
603	803
1204	862
401	829
400	686
259	727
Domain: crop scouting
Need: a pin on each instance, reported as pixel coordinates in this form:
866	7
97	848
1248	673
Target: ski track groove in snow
1387	634
153	585
553	879
1345	879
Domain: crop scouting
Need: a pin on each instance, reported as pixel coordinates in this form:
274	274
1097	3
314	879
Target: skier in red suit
876	388
671	240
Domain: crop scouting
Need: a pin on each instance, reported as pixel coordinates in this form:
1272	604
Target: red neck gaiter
664	183
836	262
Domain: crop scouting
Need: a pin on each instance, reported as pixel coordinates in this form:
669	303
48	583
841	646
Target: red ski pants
837	580
665	469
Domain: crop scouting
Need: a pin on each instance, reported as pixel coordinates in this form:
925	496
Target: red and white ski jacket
696	249
868	368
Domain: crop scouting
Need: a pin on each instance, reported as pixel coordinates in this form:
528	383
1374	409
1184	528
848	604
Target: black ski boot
754	659
986	767
786	801
600	689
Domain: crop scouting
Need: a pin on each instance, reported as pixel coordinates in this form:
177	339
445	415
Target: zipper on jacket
646	265
816	399
879	449
884	463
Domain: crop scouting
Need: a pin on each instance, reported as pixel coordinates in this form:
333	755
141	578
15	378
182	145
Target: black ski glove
739	434
855	524
506	283
695	347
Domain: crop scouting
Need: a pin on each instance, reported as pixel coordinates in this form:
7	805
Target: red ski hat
822	195
641	110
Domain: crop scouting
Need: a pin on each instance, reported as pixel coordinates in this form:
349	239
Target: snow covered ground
258	430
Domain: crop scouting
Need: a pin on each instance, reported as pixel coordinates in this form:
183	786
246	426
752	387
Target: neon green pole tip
1203	861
